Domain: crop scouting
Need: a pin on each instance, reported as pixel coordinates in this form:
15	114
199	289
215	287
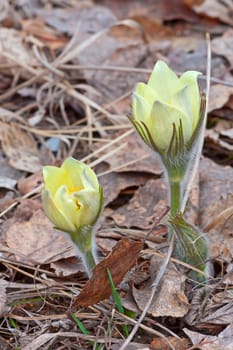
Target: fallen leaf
162	344
135	157
32	239
20	147
223	341
119	261
144	208
88	17
223	45
114	183
170	300
216	201
122	43
12	43
27	184
158	10
219	96
4	308
213	140
67	267
6	182
213	8
47	36
210	308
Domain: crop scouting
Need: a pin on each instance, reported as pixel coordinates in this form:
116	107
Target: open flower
72	197
167	109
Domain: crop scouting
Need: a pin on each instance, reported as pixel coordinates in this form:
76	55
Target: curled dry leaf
209	308
213	8
223	341
20	148
119	261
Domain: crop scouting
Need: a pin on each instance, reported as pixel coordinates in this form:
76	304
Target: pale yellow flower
72	197
164	103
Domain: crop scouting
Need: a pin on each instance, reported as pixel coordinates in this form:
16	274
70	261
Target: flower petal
164	81
161	123
69	206
192	94
53	178
90	206
73	170
54	214
141	108
149	94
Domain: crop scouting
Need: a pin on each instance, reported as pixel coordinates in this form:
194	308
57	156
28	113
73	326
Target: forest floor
67	72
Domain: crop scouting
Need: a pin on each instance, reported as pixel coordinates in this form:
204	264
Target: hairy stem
175	196
84	240
90	261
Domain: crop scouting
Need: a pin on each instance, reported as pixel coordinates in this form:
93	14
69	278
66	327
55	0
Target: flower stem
175	196
84	240
90	261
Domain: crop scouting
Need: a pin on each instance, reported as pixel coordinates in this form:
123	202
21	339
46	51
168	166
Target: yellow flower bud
166	103
72	197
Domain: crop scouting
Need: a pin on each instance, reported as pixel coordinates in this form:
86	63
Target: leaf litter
67	72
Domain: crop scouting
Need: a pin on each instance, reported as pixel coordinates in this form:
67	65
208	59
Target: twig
154	290
194	169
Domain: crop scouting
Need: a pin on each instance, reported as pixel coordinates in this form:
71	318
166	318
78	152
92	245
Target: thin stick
154	290
202	130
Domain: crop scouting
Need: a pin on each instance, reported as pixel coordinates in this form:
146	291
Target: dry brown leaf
67	267
89	18
224	340
223	45
20	148
50	38
32	239
213	139
216	201
12	43
161	344
119	261
219	96
170	300
135	157
156	11
27	184
4	309
144	208
213	8
113	183
209	309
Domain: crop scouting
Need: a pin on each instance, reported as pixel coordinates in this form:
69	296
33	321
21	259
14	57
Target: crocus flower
72	195
169	115
165	106
72	200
